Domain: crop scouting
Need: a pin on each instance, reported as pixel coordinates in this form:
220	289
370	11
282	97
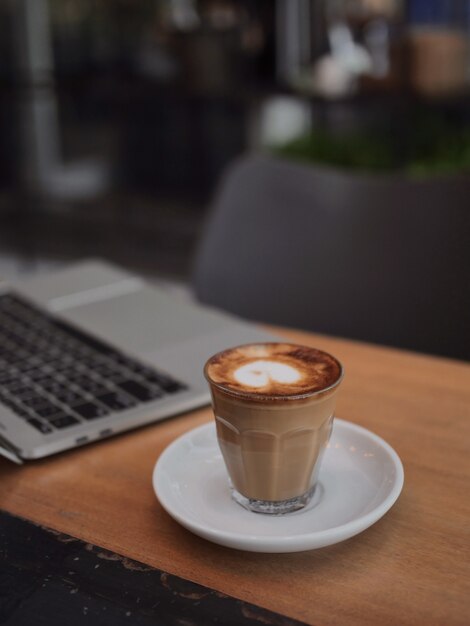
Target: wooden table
412	567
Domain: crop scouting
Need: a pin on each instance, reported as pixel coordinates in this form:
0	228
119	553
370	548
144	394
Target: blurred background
117	117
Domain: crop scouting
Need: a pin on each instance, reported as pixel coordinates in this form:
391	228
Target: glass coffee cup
273	405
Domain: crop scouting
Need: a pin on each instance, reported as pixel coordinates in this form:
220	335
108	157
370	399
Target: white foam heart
260	373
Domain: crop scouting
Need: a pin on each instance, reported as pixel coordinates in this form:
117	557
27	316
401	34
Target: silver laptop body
147	324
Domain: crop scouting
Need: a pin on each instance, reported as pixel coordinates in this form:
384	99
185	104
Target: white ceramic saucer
361	477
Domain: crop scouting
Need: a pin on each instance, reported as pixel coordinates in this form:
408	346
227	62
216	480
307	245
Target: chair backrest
382	259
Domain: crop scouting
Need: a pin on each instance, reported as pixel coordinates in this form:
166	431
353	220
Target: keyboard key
63	420
120	358
132	365
54	365
153	378
20	411
91	362
83	338
46	381
41	426
83	380
28	367
164	382
90	410
17	386
8	379
139	391
13	406
103	369
92	387
47	410
69	372
116	401
13	383
20	359
69	397
172	386
37	375
55	388
145	372
35	402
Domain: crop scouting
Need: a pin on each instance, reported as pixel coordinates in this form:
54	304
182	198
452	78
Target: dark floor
48	578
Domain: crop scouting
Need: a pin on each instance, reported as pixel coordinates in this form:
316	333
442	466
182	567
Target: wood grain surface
412	567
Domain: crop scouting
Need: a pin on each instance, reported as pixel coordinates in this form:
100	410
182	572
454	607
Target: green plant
429	146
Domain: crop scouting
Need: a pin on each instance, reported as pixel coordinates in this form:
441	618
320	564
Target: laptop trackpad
145	320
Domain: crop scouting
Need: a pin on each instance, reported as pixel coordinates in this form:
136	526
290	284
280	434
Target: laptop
92	350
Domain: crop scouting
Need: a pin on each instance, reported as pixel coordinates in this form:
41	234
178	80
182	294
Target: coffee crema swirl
273	369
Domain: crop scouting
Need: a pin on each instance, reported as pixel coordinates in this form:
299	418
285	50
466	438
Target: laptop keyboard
55	376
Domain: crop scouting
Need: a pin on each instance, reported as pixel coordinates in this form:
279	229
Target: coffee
273	405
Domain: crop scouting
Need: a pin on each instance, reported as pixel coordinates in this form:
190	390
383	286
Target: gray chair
381	259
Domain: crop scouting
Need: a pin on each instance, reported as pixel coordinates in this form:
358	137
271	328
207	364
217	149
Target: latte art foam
262	373
273	369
